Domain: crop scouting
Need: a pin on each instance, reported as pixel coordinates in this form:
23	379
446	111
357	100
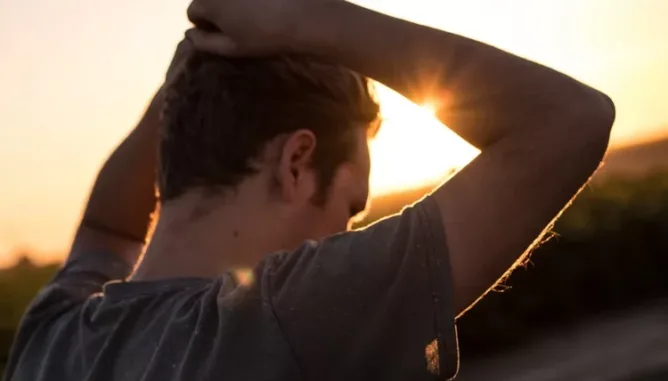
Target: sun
412	148
428	108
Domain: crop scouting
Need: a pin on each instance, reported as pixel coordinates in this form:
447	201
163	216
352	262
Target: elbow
601	114
590	126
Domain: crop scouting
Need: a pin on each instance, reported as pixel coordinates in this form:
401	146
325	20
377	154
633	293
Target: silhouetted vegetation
610	252
18	286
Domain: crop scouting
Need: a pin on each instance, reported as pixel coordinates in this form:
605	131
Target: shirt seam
440	295
293	353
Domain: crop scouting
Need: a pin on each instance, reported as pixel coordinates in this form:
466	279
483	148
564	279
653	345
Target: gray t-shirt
374	304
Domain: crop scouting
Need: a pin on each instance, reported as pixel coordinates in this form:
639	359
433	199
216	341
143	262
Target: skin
127	181
203	236
242	227
541	133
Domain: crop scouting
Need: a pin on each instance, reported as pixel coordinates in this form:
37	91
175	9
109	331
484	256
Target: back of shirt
371	304
185	329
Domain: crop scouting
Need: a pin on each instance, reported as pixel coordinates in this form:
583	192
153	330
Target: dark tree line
610	252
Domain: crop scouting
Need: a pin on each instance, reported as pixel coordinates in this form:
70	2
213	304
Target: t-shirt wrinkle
373	304
278	323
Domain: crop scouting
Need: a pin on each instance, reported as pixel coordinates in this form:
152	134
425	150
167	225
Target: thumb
213	42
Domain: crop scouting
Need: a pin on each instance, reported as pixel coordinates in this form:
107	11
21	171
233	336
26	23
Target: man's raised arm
542	134
118	214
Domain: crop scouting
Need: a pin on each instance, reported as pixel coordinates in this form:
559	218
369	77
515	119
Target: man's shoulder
138	325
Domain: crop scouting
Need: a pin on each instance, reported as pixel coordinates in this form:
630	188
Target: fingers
213	42
198	15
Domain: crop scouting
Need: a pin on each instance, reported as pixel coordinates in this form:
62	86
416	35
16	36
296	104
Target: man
263	161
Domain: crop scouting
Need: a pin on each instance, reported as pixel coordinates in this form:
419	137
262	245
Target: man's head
293	130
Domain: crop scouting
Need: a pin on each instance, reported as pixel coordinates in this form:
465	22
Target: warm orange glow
412	148
429	109
76	83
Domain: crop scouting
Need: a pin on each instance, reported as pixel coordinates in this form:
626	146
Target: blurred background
590	305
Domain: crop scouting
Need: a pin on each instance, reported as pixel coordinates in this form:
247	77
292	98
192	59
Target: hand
249	27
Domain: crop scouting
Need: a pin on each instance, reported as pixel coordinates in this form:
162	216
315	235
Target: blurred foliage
610	252
18	285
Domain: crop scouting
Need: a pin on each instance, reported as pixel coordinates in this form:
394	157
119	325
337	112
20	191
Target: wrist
309	29
152	118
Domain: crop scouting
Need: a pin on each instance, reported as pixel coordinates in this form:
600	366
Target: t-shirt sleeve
370	304
72	285
76	281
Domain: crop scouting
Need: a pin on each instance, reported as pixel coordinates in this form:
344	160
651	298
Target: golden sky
76	74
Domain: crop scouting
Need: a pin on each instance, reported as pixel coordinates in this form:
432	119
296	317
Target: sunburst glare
413	148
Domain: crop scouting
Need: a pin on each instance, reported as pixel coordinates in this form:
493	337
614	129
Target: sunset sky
75	76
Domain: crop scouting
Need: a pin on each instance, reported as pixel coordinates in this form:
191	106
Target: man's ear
295	175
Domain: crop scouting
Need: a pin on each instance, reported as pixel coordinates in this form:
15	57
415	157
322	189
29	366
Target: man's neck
205	238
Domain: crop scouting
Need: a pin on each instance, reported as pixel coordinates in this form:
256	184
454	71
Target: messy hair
221	113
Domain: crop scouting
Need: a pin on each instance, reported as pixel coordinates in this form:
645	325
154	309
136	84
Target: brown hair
221	112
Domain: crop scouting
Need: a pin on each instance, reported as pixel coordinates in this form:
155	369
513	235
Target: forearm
481	92
123	196
542	133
